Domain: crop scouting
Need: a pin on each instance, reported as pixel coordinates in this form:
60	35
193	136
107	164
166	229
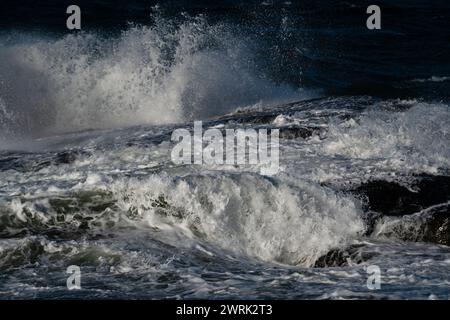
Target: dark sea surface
86	177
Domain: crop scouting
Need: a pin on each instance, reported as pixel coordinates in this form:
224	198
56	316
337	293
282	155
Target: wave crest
165	73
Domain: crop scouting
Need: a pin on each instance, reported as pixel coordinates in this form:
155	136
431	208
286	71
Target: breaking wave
416	138
245	214
165	73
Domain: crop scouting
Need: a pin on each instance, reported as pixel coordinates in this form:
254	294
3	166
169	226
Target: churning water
86	177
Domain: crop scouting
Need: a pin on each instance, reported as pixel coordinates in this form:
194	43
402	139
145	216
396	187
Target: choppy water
86	176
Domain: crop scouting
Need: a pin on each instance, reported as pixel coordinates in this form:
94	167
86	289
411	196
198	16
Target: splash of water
165	73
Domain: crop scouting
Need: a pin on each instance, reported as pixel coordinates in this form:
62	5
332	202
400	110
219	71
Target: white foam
417	138
248	214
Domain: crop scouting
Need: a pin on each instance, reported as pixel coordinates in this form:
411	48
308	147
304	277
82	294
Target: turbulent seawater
86	176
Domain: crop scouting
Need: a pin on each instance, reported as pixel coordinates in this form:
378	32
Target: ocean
87	179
